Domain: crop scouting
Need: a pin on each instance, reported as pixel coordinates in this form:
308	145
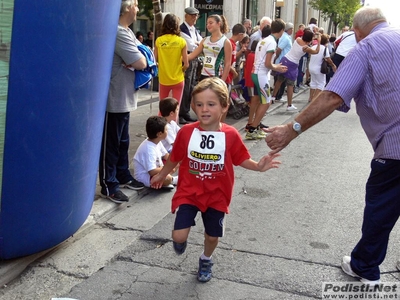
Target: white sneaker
291	108
302	86
347	269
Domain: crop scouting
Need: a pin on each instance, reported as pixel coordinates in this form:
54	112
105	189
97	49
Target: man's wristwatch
297	127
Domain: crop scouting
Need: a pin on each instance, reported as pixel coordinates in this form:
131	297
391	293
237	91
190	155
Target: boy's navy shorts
213	219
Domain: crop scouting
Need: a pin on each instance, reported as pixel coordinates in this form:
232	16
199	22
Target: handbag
325	69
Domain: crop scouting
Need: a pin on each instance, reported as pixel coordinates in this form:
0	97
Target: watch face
296	126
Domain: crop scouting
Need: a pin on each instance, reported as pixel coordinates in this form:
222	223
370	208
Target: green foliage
146	8
340	12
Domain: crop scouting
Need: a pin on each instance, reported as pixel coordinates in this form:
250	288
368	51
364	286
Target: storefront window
252	11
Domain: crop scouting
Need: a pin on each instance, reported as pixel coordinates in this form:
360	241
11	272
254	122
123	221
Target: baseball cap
191	11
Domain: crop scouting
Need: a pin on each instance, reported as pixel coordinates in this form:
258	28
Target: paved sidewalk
147	106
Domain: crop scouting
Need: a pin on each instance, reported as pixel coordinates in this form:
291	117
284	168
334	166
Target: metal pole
305	12
273	9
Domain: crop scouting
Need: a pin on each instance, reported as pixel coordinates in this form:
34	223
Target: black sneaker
133	185
247	127
179	247
261	126
118	197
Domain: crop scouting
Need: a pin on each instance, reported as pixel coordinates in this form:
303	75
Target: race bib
206	153
209	62
207	146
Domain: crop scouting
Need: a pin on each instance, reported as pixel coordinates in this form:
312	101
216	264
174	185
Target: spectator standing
318	80
331	49
216	48
149	40
313	25
170	52
300	31
284	46
122	99
343	44
241	51
366	75
247	23
302	63
261	74
238	33
192	38
140	36
257	35
291	61
249	85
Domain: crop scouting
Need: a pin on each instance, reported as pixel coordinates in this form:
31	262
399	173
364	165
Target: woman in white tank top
291	61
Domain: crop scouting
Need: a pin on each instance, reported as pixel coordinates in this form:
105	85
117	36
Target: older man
122	99
367	75
247	24
256	36
192	38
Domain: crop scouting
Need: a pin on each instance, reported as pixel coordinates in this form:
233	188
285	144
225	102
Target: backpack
143	77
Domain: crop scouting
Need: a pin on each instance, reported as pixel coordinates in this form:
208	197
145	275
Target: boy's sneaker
168	187
204	274
255	135
118	197
247	128
133	185
296	89
291	108
346	267
179	247
261	125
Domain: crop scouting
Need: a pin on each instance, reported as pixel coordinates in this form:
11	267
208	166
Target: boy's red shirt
206	174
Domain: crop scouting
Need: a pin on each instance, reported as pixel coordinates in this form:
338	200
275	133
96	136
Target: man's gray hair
366	15
264	21
125	5
246	21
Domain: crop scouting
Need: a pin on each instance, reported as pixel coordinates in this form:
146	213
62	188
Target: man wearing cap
284	46
192	38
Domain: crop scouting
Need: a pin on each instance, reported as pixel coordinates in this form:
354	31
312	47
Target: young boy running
207	151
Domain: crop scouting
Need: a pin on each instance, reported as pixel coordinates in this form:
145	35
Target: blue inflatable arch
55	66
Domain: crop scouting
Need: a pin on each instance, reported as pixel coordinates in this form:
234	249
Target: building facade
235	11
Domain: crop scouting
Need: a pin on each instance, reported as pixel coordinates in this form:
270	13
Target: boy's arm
158	179
266	162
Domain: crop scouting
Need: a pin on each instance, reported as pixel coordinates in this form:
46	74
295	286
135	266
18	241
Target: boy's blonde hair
217	85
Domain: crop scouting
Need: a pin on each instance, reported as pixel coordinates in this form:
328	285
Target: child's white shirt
172	131
148	157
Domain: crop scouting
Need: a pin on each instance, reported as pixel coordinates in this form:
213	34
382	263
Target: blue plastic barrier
60	66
